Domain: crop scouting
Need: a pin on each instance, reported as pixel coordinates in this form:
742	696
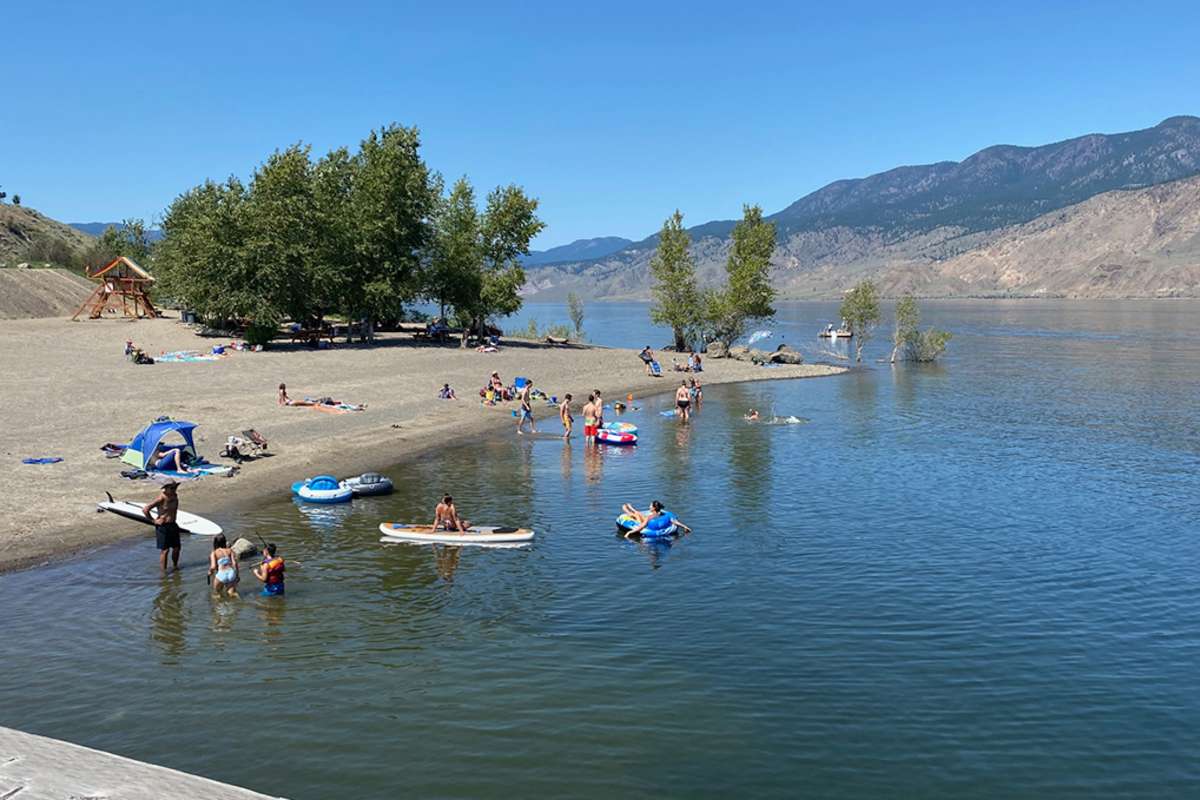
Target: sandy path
67	389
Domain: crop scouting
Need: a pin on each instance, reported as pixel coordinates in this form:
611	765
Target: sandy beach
68	389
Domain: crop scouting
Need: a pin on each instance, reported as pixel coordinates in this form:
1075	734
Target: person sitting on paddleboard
643	518
445	517
166	532
271	571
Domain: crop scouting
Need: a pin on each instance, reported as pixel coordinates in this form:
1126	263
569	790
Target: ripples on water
975	579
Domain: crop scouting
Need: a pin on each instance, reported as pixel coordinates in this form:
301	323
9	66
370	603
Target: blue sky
612	114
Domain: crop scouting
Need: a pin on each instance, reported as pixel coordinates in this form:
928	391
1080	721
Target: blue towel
51	460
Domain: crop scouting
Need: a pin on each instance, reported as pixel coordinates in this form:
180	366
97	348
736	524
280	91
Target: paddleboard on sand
476	534
188	523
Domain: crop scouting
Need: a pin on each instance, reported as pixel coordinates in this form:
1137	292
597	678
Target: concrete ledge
37	768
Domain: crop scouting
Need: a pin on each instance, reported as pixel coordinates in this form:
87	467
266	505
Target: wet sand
68	389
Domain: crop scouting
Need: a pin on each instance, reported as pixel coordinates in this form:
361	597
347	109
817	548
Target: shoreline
396	378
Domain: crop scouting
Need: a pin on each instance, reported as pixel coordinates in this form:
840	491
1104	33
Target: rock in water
243	548
786	355
717	350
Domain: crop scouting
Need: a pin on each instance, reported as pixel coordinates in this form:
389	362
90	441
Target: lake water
976	579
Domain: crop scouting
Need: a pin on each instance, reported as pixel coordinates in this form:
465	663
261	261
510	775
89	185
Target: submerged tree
575	310
909	343
677	300
749	293
860	310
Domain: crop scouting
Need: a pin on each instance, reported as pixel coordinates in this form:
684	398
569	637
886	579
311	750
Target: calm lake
975	579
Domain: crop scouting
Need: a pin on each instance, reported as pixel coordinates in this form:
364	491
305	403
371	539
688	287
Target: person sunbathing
170	458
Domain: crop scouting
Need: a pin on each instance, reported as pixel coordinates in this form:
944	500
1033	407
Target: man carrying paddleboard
166	532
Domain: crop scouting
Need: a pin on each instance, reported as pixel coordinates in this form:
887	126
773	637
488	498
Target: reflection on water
974	579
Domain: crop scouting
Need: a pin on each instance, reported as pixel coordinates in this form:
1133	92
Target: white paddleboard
188	523
399	532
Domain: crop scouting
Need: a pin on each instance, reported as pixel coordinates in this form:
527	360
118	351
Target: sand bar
68	389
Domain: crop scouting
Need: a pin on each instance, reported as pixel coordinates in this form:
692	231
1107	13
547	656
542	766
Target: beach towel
196	472
188	357
339	408
44	460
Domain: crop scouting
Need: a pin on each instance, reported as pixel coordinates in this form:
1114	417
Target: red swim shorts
589	430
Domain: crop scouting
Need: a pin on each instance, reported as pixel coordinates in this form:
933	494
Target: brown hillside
29	293
20	225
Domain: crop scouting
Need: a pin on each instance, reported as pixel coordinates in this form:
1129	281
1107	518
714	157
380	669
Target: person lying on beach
166	532
223	567
271	571
169	457
446	393
445	517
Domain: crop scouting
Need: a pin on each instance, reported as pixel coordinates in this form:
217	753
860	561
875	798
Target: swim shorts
589	430
527	413
683	403
167	536
271	589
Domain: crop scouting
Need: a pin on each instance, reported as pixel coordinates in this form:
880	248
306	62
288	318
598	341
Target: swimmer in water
752	415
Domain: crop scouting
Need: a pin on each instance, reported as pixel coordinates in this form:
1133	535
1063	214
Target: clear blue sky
612	115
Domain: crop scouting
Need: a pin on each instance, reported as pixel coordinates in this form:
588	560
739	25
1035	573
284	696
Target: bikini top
224	561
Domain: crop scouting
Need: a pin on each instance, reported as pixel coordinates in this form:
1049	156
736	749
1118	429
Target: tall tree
860	310
575	311
391	206
128	239
748	295
677	300
909	342
509	224
454	276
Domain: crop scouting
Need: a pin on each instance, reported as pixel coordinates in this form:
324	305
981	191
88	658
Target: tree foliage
575	311
358	234
860	310
909	342
678	302
748	295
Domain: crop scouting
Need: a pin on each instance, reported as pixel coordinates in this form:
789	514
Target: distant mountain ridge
97	228
578	250
915	215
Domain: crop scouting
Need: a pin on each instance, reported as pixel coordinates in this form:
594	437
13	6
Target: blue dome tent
141	449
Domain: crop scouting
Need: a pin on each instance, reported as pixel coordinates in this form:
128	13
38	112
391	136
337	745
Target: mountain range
1073	218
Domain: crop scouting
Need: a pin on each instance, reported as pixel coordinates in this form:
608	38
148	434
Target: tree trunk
680	342
858	346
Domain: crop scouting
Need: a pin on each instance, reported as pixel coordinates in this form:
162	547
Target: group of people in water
223	570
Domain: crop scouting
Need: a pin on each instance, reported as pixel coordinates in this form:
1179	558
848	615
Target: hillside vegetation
26	234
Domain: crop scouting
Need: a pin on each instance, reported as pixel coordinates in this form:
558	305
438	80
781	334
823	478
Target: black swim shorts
167	536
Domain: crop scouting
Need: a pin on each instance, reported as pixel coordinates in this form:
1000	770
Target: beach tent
141	449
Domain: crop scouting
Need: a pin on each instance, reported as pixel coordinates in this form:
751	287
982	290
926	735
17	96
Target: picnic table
311	335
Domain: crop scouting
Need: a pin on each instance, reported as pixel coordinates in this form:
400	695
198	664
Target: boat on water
829	332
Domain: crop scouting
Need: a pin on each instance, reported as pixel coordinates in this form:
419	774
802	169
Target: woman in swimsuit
223	567
683	400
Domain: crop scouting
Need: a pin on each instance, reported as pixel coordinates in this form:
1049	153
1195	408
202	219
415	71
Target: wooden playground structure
124	285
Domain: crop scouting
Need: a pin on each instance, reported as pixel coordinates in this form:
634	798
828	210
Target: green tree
748	295
860	310
391	205
909	343
677	301
575	310
508	226
128	239
454	276
16	200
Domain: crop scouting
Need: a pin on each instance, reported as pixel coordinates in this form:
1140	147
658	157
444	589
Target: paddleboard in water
188	523
476	534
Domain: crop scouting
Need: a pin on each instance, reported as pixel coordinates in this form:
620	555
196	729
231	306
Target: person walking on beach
647	357
445	517
683	400
166	532
525	414
271	571
564	414
589	420
223	567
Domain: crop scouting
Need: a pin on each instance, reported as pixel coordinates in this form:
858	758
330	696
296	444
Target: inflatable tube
660	527
322	489
370	483
606	436
621	427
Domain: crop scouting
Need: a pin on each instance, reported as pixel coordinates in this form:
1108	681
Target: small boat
322	489
396	532
841	333
188	523
660	527
369	484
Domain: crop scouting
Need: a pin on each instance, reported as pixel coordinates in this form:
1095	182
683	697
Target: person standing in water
589	420
564	414
271	571
166	532
683	400
599	408
445	517
525	414
223	567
